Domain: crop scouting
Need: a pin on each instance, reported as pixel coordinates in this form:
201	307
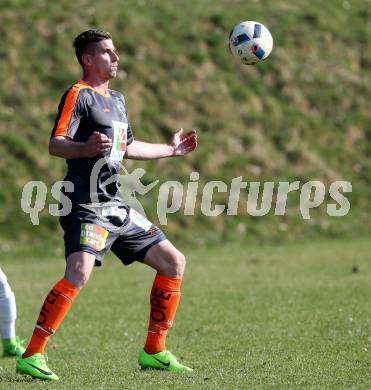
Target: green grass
277	316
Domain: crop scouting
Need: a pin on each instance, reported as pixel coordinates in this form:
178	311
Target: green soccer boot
35	365
13	347
164	360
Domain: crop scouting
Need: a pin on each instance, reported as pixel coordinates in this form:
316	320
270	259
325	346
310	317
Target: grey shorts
129	242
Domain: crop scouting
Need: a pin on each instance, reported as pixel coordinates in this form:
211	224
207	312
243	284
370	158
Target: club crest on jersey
120	130
121	140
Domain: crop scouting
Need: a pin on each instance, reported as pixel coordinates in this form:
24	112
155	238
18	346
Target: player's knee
79	267
77	276
177	264
80	279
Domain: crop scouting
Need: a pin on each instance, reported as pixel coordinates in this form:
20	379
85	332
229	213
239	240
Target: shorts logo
93	236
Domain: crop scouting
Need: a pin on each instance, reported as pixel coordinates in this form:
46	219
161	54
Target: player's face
104	62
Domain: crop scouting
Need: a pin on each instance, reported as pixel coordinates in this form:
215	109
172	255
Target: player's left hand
184	143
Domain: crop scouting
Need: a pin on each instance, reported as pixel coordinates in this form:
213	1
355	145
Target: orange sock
165	296
53	311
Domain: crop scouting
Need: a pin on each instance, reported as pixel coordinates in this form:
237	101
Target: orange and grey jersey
82	111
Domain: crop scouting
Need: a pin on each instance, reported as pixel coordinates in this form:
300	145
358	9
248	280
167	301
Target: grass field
293	316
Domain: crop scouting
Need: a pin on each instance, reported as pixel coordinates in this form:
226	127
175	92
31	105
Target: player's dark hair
85	42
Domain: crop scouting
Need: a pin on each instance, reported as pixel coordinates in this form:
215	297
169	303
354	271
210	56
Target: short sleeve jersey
82	111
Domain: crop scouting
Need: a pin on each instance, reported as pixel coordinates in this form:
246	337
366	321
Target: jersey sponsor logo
93	235
120	130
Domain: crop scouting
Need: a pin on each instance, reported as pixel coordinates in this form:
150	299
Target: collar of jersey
94	89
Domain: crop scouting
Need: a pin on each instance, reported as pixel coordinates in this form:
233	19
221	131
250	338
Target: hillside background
304	114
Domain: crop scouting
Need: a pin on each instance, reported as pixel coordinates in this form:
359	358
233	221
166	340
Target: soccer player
92	132
12	345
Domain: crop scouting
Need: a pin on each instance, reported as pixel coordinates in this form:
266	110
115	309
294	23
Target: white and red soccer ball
250	42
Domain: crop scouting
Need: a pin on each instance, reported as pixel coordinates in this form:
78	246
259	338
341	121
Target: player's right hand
97	143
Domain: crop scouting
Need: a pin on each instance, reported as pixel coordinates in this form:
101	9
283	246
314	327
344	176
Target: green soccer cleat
35	365
164	360
13	347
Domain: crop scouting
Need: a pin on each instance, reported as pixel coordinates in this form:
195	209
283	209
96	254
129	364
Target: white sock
8	312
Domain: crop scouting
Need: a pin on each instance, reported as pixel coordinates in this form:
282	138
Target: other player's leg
12	345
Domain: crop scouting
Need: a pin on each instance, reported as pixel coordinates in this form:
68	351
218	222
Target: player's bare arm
64	147
180	145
